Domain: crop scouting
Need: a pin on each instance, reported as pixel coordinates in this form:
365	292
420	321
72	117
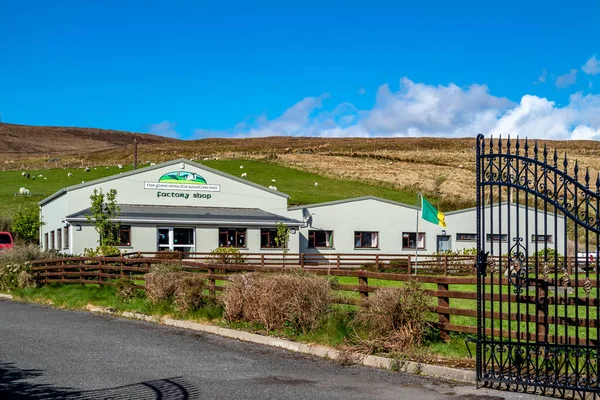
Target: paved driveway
52	353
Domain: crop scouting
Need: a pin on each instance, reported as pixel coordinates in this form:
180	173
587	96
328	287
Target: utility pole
134	153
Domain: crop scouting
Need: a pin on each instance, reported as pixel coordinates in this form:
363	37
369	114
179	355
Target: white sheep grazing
106	167
82	181
206	159
24	192
244	175
217	158
23	173
151	164
119	166
241	167
69	174
87	169
45	178
272	180
316	183
40	175
273	187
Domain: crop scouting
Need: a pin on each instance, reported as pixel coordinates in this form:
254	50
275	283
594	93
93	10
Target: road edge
397	365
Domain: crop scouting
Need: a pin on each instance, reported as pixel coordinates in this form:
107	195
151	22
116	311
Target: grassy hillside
298	184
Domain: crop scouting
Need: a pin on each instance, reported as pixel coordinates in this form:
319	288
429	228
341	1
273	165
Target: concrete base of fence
411	367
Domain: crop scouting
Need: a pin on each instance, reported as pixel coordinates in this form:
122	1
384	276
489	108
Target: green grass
298	184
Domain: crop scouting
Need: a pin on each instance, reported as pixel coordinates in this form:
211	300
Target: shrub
125	289
6	223
22	253
102	251
226	255
395	318
162	281
189	293
15	276
296	300
26	224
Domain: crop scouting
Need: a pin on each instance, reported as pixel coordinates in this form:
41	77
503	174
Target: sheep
119	166
106	167
45	178
40	175
241	167
316	183
244	175
82	181
217	158
24	192
23	173
206	159
87	169
273	187
272	180
69	174
151	164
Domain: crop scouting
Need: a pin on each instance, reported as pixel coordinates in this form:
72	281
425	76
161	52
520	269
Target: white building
182	205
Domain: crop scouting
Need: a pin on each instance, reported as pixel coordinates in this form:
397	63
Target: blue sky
196	69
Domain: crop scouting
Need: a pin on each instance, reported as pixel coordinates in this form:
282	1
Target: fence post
262	259
211	281
338	261
363	284
446	264
302	260
377	261
409	265
443	318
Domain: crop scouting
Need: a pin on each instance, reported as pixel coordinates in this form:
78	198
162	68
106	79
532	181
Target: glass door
176	239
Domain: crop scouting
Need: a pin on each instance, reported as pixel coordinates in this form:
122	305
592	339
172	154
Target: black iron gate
538	307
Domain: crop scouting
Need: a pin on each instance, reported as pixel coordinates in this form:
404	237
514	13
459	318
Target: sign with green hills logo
182	180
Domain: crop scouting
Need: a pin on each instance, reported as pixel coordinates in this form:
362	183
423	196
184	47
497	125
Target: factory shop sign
181	180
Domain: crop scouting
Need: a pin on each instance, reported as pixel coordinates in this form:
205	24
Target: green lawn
299	185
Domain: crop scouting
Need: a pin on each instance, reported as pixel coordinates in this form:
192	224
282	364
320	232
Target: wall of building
131	190
52	215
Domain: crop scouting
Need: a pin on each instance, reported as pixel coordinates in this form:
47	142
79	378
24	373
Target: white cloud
592	66
362	90
542	77
164	128
567	79
418	109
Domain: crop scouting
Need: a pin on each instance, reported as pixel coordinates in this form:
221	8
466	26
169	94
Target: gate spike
526	147
576	169
587	177
499	143
517	146
491	144
565	162
508	145
555	158
598	183
545	153
535	150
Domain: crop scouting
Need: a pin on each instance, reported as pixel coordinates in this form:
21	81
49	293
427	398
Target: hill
23	141
440	167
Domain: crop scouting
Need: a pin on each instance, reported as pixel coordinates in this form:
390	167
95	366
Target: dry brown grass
189	293
298	301
162	281
395	319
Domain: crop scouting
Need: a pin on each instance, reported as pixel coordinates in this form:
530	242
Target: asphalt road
52	353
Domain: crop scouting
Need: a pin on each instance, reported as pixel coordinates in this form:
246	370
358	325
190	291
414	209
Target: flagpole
419	201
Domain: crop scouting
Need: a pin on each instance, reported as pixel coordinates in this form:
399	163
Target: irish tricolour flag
431	214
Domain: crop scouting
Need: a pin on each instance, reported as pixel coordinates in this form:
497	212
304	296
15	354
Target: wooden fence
444	289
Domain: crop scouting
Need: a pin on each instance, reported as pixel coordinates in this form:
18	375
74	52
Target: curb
411	367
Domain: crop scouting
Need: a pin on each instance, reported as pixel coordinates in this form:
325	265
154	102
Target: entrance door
443	243
176	239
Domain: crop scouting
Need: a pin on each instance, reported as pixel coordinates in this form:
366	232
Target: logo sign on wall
182	180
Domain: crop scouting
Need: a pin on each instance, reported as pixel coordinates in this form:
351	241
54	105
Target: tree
283	236
26	224
103	214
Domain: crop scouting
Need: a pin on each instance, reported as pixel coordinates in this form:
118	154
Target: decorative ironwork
538	324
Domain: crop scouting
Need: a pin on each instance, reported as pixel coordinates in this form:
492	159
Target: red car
6	241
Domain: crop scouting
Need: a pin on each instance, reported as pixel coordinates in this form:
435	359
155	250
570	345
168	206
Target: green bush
225	255
15	276
26	224
102	251
21	253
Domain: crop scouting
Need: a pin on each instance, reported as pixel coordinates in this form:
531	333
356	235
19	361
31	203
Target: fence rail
446	290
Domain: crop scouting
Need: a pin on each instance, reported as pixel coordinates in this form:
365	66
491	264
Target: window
409	240
496	237
320	239
174	239
267	238
232	237
541	238
467	237
59	238
46	241
66	237
366	239
52	247
123	235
